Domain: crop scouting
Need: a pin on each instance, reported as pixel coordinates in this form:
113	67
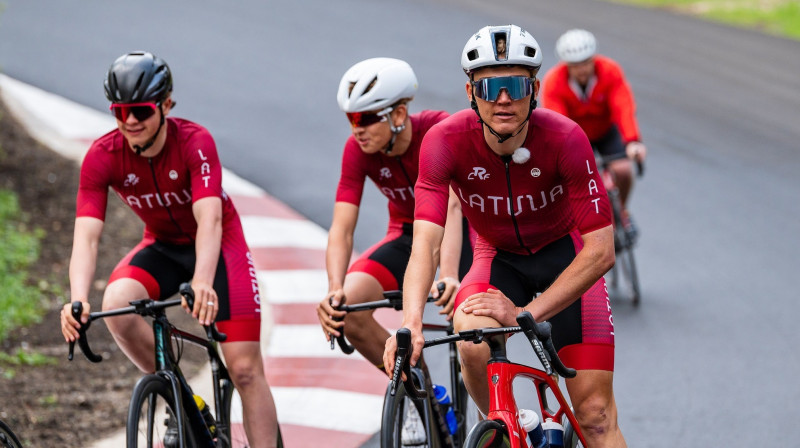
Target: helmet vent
500	46
371	84
472	55
530	52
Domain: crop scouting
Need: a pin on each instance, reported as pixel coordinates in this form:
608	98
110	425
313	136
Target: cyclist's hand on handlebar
206	303
636	151
390	351
329	317
492	303
447	299
70	326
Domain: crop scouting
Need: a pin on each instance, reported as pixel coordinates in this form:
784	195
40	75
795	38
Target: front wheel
7	438
152	416
488	434
402	422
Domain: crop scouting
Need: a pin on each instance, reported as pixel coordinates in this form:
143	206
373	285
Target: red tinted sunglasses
142	111
364	119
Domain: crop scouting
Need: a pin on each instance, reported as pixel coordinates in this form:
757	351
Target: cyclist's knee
245	371
119	293
597	414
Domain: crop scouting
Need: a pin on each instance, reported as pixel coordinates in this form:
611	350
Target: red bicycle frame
503	406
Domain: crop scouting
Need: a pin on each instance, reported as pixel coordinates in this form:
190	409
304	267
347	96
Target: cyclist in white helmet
529	186
592	90
384	147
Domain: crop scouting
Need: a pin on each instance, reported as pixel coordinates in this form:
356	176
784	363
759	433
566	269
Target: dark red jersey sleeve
587	195
431	191
353	174
204	166
94	183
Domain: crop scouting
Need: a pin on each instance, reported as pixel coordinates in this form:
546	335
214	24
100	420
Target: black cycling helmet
138	77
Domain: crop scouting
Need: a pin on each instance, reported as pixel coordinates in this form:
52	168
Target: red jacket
610	101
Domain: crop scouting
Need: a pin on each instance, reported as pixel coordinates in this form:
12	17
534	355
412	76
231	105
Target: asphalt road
711	357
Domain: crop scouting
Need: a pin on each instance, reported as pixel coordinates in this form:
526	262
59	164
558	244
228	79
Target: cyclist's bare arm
82	265
208	214
416	285
337	259
450	256
592	262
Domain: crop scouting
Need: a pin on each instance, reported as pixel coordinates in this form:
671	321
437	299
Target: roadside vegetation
20	302
778	17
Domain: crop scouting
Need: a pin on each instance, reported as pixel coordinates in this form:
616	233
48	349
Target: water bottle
206	412
554	433
444	401
530	422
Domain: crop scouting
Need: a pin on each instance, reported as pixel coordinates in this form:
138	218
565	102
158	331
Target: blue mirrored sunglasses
488	89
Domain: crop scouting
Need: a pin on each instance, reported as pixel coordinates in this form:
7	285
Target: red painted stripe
352	375
263	206
283	258
297	436
306	314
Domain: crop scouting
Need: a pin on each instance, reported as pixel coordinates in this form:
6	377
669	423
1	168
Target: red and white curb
323	397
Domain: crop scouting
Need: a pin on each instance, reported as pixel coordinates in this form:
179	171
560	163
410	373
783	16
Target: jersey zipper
506	162
164	200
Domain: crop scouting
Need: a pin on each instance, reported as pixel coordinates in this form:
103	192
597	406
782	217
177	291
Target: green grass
20	302
778	17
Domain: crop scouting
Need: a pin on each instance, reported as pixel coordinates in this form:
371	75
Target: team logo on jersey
536	172
385	173
131	180
173	174
478	172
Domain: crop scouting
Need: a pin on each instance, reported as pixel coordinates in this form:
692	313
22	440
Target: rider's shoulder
606	65
552	121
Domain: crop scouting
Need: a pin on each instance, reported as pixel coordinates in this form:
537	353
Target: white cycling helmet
576	46
482	49
375	84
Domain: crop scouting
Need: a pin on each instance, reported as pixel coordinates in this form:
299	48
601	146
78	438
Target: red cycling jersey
394	176
608	99
556	190
187	169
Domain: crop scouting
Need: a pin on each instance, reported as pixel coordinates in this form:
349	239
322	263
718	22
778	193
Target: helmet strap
140	149
396	130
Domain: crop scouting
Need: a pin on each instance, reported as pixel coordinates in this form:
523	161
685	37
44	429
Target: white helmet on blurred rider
576	46
375	84
486	48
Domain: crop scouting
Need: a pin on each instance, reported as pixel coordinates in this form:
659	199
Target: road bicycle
163	409
7	437
624	270
396	402
502	428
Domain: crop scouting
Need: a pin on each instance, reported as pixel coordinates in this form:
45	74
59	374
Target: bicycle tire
625	267
7	437
469	416
393	418
571	439
151	413
488	434
628	268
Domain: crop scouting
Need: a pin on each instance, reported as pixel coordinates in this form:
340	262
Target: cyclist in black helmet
168	172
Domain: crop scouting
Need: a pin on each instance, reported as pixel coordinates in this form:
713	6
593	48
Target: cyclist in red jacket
591	89
168	172
529	186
